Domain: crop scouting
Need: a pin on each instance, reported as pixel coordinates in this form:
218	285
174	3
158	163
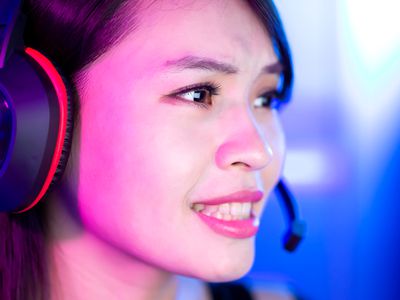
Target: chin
228	269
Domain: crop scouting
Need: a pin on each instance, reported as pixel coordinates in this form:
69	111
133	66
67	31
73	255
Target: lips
231	223
241	196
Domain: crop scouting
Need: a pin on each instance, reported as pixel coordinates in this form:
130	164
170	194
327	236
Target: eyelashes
197	91
202	95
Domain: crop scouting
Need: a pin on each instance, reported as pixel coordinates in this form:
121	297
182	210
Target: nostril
239	163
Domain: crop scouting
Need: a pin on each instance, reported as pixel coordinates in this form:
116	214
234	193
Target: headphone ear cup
40	101
66	148
64	93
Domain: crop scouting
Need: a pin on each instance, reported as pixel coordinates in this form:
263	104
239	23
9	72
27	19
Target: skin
121	222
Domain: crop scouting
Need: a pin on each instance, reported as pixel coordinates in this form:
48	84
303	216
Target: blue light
374	31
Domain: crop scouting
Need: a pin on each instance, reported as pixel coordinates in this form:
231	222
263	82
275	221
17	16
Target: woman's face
144	153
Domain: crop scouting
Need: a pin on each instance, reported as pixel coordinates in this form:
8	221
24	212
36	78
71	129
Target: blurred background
343	161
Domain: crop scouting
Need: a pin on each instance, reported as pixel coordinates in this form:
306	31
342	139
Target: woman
175	129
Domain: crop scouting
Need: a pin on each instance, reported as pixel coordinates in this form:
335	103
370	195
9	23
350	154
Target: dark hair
73	34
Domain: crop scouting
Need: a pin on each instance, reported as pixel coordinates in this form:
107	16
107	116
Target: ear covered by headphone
35	118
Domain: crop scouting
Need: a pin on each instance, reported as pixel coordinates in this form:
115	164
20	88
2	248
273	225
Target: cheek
135	173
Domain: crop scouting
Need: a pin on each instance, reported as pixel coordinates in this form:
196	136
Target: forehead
226	30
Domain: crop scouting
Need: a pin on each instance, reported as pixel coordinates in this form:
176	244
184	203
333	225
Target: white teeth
210	209
225	211
246	208
224	208
236	209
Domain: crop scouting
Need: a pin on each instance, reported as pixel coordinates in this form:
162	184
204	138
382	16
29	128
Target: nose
245	144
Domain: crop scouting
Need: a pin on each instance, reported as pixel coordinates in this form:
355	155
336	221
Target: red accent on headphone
61	91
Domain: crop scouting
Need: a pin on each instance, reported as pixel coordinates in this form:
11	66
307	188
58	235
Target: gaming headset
36	126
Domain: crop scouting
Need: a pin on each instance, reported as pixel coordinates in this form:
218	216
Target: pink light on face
144	155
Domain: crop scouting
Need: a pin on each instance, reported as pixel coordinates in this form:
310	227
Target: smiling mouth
233	219
227	211
233	207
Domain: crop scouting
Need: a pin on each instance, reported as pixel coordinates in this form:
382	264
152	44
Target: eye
269	100
200	94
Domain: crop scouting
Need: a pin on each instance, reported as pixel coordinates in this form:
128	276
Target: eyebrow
209	64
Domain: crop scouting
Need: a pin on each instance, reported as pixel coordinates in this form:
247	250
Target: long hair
72	34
